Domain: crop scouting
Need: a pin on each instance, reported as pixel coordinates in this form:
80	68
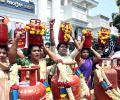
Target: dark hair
88	49
58	46
71	46
4	47
91	54
30	47
117	48
47	43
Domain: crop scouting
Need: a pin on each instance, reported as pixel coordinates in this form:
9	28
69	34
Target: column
42	10
56	4
65	2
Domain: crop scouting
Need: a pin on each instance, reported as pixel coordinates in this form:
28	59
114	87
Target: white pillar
56	4
42	10
65	2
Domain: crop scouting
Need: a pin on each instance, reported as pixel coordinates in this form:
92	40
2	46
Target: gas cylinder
111	74
22	40
34	38
61	35
75	85
3	32
31	90
87	42
117	68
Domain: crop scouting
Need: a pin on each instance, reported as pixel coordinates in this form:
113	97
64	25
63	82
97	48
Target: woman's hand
51	22
95	52
91	48
4	66
83	38
18	35
58	60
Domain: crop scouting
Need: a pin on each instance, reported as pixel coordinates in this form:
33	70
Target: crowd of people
55	61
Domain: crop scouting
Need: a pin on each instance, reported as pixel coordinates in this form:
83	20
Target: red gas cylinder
3	32
22	40
112	77
61	36
117	68
75	85
34	38
32	90
87	42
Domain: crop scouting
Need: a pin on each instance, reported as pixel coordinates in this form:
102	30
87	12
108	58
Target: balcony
72	11
87	3
75	14
99	21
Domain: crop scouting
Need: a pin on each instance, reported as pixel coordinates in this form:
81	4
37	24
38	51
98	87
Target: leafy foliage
116	21
118	2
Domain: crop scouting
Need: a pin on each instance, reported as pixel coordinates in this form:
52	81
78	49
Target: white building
74	11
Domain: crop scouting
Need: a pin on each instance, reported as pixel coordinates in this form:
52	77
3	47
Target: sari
86	70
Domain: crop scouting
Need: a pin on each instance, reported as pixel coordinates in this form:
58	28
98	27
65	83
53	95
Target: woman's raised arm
12	53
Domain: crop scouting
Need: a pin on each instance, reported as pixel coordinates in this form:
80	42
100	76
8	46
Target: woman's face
85	54
35	53
62	50
3	54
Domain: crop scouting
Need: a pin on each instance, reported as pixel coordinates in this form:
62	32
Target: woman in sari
4	68
85	68
36	56
85	63
64	69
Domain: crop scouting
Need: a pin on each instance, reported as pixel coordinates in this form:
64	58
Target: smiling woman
4	63
34	58
4	88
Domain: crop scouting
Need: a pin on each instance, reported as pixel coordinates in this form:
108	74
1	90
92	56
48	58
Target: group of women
61	64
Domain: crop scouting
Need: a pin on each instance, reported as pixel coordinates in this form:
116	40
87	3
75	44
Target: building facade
74	11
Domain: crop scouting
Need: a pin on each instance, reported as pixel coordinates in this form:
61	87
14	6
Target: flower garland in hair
103	35
67	30
87	32
36	29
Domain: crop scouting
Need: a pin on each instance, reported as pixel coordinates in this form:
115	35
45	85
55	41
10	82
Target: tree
116	17
116	23
118	4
